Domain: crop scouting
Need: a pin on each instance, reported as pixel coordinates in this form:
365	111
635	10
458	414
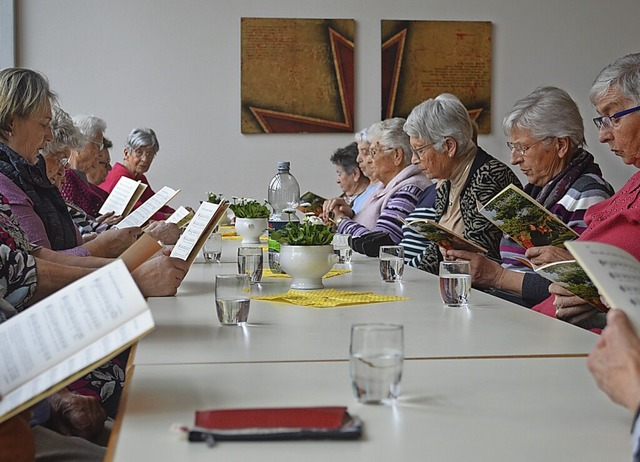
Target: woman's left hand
570	307
547	254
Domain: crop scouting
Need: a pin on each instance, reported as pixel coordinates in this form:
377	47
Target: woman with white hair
141	148
546	139
441	135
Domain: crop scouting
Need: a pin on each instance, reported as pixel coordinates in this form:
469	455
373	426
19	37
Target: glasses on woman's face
520	149
377	150
611	121
140	153
100	144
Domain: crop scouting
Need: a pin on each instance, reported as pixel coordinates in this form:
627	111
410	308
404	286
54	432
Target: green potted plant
306	253
251	219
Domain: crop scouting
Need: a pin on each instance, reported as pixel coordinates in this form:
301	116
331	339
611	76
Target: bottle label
274	247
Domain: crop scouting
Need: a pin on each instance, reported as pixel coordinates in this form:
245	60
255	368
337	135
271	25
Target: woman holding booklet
141	148
441	136
615	94
546	139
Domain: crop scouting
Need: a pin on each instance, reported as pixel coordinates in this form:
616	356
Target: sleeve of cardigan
400	205
535	289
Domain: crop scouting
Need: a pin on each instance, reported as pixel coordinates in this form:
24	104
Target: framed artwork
297	75
422	59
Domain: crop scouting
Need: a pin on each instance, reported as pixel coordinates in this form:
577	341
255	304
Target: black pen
202	436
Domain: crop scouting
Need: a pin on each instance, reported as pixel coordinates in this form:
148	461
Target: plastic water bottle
284	193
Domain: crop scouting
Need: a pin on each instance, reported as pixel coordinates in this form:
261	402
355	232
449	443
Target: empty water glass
376	353
455	282
391	263
250	262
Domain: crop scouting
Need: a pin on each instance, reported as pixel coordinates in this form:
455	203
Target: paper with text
123	197
69	333
201	225
143	213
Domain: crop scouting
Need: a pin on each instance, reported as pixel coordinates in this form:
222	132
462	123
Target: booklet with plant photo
315	203
442	236
524	220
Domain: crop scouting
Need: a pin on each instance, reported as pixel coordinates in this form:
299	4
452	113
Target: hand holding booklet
442	236
66	335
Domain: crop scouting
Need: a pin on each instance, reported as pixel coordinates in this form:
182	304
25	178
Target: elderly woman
441	135
350	178
616	96
400	187
546	138
78	188
36	203
141	148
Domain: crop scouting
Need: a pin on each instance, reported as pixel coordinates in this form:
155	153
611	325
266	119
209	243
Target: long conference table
494	381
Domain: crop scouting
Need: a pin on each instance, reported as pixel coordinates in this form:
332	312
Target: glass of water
376	353
391	263
342	247
212	249
250	261
455	282
232	294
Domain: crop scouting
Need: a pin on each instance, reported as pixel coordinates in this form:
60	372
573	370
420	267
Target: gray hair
361	137
346	158
439	118
547	112
390	134
142	137
90	126
623	75
65	133
22	94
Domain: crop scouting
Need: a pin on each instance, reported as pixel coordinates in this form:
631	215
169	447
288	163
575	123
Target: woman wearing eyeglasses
442	142
615	94
546	138
139	152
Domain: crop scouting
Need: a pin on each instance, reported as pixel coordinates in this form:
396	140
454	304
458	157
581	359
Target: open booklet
315	203
198	230
123	197
68	334
181	217
143	213
615	273
442	236
524	220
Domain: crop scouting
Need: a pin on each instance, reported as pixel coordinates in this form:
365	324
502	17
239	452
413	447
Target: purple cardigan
24	213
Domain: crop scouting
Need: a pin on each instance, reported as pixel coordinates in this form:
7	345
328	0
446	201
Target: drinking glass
455	282
232	295
250	261
342	247
375	361
212	249
391	263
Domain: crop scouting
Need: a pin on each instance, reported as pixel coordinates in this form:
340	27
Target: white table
188	331
531	409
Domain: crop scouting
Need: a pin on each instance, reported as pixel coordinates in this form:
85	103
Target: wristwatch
341	219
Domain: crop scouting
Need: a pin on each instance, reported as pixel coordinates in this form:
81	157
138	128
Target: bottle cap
284	165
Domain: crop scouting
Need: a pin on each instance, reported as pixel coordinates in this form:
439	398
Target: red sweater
614	221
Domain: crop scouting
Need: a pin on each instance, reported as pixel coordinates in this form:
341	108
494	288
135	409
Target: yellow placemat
327	298
267	273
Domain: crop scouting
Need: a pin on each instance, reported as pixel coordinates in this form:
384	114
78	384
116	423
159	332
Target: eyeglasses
375	151
416	151
63	161
100	144
611	121
140	153
520	149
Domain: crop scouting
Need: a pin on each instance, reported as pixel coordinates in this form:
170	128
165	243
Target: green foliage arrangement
310	232
249	208
214	198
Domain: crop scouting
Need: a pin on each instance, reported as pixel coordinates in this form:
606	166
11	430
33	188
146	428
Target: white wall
175	66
